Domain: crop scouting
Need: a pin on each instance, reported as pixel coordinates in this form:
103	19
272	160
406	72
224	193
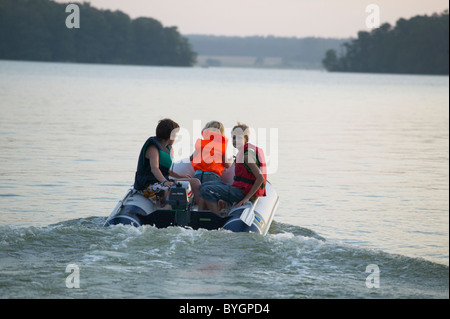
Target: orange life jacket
209	152
243	176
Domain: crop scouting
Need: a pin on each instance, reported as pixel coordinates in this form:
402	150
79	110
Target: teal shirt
144	176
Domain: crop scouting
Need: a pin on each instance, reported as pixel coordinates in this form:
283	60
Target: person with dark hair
155	161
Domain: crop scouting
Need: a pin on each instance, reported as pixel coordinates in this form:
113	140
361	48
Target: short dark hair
165	128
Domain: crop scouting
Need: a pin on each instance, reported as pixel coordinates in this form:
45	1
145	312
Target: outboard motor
180	196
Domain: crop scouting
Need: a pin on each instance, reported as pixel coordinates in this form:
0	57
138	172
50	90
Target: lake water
360	162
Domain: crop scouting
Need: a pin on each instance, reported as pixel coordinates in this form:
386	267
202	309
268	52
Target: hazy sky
299	18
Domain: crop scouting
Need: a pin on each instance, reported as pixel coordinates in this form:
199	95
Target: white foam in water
296	265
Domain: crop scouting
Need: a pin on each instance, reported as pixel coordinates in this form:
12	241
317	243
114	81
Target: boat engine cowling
180	196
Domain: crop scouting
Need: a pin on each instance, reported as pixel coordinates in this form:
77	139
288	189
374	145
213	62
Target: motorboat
136	210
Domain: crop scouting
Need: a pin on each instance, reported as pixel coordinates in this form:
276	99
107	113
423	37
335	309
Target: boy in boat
249	180
155	160
208	159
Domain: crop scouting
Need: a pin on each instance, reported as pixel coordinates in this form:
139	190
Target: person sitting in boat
209	159
155	160
249	180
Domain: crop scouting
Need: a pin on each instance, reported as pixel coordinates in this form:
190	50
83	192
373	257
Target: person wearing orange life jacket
250	176
209	159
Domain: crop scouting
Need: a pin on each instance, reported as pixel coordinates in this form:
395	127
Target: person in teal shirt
154	163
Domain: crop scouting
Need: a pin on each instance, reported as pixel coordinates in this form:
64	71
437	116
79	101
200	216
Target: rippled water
145	262
362	174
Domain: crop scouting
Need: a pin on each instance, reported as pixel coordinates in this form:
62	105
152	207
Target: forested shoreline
419	45
293	52
36	30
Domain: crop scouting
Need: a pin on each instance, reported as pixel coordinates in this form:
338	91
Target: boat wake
147	262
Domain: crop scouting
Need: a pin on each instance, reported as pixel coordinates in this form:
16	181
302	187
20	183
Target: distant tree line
293	51
419	45
36	30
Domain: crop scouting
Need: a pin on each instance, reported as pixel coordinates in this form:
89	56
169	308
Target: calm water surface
360	162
